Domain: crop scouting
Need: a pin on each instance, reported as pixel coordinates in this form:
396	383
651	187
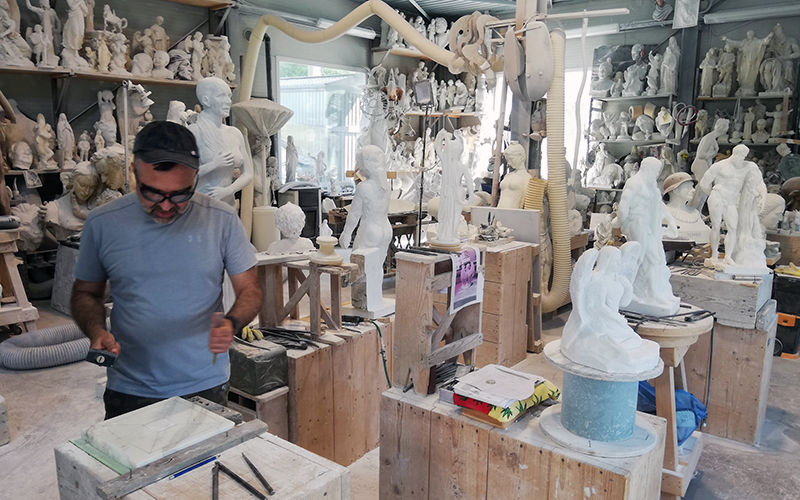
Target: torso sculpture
222	148
370	207
708	149
515	183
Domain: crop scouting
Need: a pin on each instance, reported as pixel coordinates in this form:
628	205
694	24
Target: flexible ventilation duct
54	346
553	298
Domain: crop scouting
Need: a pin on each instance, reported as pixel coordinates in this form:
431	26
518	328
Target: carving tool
260	477
244	484
215	482
100	357
193	467
216	322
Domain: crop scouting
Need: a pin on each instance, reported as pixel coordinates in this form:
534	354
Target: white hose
585	66
555	297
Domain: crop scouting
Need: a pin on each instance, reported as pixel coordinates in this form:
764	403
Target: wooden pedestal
14	305
293	472
272	408
430	451
739	365
334	393
790	247
511	306
734	303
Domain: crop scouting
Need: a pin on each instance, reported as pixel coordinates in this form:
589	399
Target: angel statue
596	334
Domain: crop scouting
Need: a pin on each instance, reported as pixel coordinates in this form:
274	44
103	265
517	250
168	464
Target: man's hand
106	341
221	334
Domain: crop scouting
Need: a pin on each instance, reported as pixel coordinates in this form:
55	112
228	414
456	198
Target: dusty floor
48	407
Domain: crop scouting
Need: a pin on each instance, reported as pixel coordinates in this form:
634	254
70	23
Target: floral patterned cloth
545	390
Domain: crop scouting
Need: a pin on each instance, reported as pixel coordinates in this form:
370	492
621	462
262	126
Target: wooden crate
334	394
5	435
734	303
790	247
293	472
507	300
272	408
740	370
430	451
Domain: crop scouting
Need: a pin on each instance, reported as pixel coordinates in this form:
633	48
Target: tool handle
258	474
244	484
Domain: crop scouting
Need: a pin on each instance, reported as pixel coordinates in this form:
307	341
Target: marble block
5	436
143	436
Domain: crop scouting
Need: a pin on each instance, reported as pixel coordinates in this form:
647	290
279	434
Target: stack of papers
498	385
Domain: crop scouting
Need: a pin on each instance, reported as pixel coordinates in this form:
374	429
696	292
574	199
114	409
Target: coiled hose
553	298
58	345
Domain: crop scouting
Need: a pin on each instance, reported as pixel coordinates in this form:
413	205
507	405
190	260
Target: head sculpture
215	96
651	167
722	125
30	228
369	160
515	156
740	152
84	181
290	220
772	213
21	156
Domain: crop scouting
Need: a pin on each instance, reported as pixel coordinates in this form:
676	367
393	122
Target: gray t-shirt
166	282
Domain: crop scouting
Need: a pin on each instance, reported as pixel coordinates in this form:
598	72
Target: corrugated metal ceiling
455	8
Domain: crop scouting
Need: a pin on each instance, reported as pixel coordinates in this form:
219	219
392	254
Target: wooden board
741	366
271	408
790	248
294	473
696	363
459	456
734	303
5	435
311	399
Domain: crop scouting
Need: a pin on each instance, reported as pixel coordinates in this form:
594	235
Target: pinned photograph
467	285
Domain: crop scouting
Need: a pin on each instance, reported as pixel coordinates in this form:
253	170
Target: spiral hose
58	345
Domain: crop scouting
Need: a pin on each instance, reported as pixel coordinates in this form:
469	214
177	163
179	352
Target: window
326	105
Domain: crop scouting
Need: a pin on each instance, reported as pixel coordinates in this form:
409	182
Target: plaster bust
160	62
222	148
515	183
772	213
290	220
679	189
67	214
21	156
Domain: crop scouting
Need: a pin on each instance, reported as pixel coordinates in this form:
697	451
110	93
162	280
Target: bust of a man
290	220
679	188
21	156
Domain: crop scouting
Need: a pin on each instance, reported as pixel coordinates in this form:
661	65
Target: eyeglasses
157	196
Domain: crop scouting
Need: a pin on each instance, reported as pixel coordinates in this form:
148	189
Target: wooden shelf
748	98
402	52
438	115
632	143
103	77
206	4
634	98
20	172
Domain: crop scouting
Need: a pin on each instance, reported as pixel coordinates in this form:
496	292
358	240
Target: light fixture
753	14
367	33
603	29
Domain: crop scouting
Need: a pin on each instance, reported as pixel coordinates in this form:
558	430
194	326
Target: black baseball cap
162	142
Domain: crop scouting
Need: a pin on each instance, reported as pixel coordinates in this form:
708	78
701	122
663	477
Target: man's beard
173	212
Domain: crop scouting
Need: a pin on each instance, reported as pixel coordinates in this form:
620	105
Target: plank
413	320
349	397
79	474
271	408
697	362
291	308
296	277
311	399
455	348
405	448
314	300
271	279
665	407
459	456
138	478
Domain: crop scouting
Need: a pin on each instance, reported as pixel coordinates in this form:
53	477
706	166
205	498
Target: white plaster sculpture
442	33
292	159
669	68
787	51
737	135
515	183
680	190
110	166
222	148
456	190
51	30
701	125
736	193
640	215
31	232
369	212
656	61
290	220
21	156
725	68
119	54
111	19
159	35
142	65
771	77
14	45
84	145
198	52
451	94
624	125
772	213
708	148
596	334
643	129
708	73
103	57
138	111
602	87
89	20
664	123
461	96
760	136
177	113
748	61
66	215
180	61
99	142
749	118
421	73
442	98
66	142
45	157
219	59
142	43
619	84
777	120
160	61
635	73
42	48
74	30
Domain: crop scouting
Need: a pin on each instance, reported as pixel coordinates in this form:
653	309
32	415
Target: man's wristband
237	325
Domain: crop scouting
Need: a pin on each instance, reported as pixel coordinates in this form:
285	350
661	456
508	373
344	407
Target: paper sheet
497	385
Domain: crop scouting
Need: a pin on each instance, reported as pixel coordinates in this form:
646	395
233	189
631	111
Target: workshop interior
399	249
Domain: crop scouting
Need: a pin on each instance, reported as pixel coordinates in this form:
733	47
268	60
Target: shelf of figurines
448	114
21	172
643	97
98	76
629	142
402	52
206	4
779	97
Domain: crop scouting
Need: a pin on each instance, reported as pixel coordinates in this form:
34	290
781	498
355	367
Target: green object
100	456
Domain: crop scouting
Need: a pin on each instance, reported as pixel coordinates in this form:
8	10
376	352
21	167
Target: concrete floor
48	407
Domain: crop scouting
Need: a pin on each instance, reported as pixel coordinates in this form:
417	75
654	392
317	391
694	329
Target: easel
274	309
675	338
14	305
420	327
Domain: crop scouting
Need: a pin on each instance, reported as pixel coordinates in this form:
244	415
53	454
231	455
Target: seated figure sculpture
596	334
290	220
640	215
222	148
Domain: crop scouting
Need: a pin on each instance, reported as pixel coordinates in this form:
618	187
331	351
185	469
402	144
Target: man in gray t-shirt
164	250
